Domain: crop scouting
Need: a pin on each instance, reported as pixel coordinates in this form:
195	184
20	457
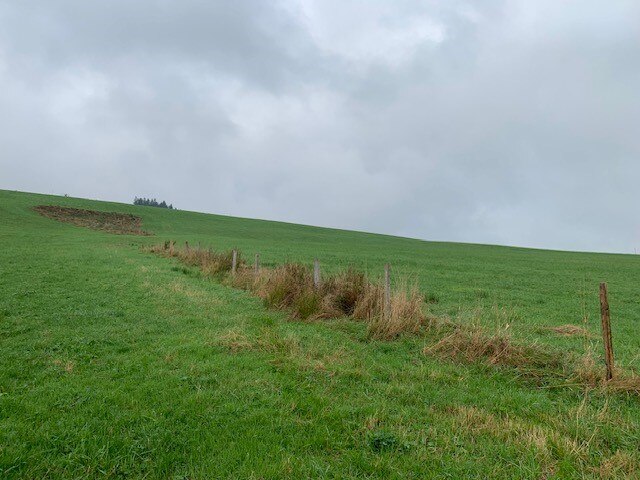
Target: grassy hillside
116	363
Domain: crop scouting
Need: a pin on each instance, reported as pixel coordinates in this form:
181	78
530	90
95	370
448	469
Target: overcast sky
508	122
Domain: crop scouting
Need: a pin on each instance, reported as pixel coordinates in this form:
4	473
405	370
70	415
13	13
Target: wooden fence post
606	330
316	273
256	265
387	290
171	244
186	246
234	261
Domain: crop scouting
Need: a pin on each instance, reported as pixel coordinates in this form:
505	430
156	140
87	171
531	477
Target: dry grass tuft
472	343
68	366
619	465
589	373
211	263
625	383
569	330
235	341
404	316
346	294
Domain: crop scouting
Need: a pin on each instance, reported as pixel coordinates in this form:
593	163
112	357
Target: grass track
119	364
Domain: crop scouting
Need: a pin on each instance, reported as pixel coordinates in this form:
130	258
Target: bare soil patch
112	222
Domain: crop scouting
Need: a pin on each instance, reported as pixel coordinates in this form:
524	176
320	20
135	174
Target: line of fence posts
605	317
605	314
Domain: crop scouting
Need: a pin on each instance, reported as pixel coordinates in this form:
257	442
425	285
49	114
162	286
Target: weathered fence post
606	330
387	290
256	265
171	244
186	246
316	273
234	261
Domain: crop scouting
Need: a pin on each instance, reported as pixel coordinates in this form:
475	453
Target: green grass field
116	363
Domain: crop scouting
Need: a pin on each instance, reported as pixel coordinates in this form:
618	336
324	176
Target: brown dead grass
472	343
619	465
403	316
590	373
111	222
235	341
346	294
68	365
569	330
290	287
211	263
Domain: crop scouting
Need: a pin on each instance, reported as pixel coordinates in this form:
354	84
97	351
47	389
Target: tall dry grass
290	287
345	294
471	343
404	315
211	263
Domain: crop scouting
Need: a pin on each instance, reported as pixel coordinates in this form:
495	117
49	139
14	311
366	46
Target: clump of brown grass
235	341
587	372
210	262
346	294
569	330
624	382
68	365
620	465
404	314
289	286
472	343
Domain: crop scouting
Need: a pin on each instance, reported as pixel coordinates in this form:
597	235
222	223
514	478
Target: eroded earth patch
112	222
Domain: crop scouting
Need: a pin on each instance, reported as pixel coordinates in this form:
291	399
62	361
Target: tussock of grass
619	465
472	344
569	330
404	315
211	263
587	372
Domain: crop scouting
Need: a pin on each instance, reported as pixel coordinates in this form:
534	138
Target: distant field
120	364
